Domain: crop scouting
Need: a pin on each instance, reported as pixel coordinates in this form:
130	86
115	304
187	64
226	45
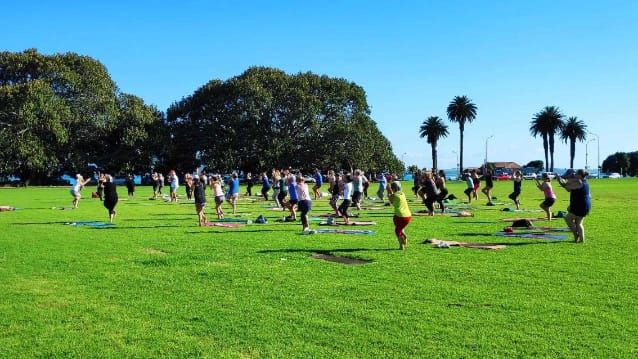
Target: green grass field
156	285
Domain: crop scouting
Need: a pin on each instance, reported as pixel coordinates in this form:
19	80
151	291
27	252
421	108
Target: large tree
433	129
266	118
573	130
65	101
618	162
545	124
461	110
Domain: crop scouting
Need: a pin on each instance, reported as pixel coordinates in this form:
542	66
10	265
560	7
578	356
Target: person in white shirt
347	198
305	203
80	182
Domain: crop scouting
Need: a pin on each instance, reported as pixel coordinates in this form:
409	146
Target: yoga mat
447	214
235	220
522	218
341	231
446	244
541	228
522	210
7	208
353	223
225	225
94	224
62	208
540	235
332	215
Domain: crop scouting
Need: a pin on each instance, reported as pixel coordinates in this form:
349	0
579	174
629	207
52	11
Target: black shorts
317	185
282	195
305	207
356	197
514	195
293	201
344	207
548	202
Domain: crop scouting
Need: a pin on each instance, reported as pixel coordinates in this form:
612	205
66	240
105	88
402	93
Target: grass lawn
157	285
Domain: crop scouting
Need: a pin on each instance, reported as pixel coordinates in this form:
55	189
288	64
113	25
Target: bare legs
575	224
201	217
548	211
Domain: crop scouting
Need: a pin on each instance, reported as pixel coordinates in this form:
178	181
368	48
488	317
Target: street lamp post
598	150
458	170
403	155
485	164
587	153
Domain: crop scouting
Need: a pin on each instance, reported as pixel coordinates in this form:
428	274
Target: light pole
402	162
587	153
598	145
485	164
458	170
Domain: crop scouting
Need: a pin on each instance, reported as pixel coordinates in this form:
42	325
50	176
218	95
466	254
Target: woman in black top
200	200
110	196
130	186
489	184
430	193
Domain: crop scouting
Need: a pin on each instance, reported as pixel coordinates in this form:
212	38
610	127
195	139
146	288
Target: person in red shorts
402	214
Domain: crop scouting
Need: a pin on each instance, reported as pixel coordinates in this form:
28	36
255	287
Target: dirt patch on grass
154	251
340	259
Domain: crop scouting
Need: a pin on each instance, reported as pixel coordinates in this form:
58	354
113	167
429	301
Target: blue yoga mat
532	235
344	231
95	224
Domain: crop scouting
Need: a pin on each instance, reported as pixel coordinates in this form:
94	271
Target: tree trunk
572	152
551	151
546	148
434	164
461	151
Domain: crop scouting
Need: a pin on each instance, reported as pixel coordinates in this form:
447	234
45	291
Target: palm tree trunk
434	164
572	151
551	151
546	148
461	150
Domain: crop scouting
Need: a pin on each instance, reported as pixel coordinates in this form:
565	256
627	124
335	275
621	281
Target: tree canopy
266	118
59	112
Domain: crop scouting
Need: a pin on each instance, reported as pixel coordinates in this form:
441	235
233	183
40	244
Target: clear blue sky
511	58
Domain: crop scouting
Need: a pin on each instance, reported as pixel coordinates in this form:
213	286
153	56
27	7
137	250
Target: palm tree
461	110
432	130
573	129
545	124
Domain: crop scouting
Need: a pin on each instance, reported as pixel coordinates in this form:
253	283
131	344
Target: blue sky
511	58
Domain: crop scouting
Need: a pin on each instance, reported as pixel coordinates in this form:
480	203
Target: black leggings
345	205
264	192
429	202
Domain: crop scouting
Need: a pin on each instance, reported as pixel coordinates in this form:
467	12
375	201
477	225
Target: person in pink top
305	203
218	192
550	197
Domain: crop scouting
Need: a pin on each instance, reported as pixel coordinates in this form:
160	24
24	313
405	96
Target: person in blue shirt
383	183
265	185
316	189
291	180
579	201
233	192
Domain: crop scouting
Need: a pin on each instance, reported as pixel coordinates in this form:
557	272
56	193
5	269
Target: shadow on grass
235	230
325	251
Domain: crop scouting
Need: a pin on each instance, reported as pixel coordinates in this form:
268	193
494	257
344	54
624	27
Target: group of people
291	193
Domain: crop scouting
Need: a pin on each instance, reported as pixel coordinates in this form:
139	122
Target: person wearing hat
579	201
402	214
